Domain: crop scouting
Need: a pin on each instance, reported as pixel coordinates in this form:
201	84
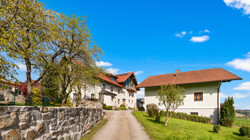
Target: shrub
158	113
216	128
109	108
122	108
227	112
186	116
245	131
150	109
141	108
69	102
122	105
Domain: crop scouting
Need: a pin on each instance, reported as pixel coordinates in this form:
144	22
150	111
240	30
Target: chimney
178	72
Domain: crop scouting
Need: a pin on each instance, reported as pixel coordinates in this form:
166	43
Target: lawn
182	129
241	122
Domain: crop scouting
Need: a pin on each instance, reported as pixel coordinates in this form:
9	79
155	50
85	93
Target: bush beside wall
188	117
150	109
141	108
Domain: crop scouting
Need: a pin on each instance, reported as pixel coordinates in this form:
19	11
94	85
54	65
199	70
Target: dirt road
121	125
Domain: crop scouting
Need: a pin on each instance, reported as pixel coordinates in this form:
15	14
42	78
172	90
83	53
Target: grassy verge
93	130
241	122
178	129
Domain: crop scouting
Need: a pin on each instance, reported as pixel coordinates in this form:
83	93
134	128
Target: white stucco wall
207	107
124	94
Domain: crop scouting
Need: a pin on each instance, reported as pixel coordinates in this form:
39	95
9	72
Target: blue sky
158	37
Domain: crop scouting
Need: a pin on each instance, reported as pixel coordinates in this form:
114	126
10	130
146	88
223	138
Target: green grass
93	130
241	122
178	129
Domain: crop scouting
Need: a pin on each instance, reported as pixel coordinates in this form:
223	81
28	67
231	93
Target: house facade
113	90
202	90
9	92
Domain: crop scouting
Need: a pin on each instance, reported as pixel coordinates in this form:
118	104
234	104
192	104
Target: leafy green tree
48	83
7	69
78	50
171	96
26	30
227	112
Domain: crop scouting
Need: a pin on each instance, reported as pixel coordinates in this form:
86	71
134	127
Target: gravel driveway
121	125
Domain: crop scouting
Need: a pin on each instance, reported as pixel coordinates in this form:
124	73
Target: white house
114	90
202	90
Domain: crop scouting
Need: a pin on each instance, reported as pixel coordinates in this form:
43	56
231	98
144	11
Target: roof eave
226	80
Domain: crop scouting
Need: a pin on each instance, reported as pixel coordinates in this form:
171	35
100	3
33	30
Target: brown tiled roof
198	76
122	77
105	78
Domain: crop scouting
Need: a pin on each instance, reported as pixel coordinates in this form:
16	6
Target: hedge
188	117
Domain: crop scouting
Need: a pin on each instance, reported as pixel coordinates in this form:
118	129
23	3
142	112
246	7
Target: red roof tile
198	76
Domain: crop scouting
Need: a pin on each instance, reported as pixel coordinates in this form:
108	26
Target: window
119	91
131	101
112	98
198	96
92	96
128	101
111	89
113	79
103	86
194	113
118	101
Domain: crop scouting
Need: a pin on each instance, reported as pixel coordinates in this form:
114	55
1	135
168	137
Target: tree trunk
166	121
64	100
79	96
28	82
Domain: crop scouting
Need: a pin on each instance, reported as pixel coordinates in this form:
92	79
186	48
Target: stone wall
47	123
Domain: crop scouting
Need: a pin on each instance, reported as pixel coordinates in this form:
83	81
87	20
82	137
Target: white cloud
181	34
21	66
113	70
244	5
199	38
248	54
234	95
241	64
243	86
138	72
240	95
206	31
141	93
104	64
